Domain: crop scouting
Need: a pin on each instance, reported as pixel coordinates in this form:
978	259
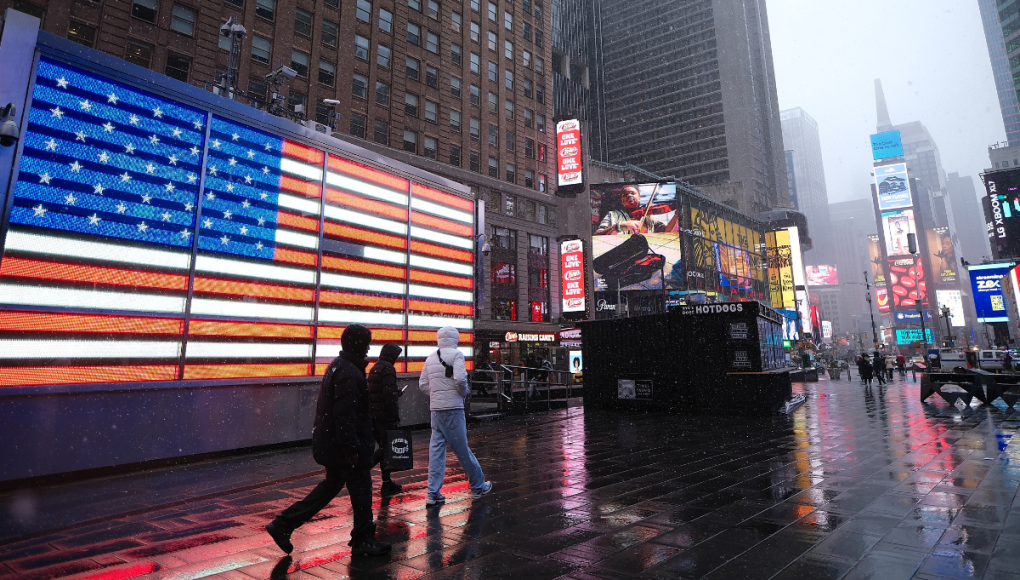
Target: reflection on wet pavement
856	484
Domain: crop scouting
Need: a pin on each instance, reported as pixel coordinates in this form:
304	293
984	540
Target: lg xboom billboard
1004	219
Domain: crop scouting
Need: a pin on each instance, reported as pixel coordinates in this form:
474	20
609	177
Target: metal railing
516	388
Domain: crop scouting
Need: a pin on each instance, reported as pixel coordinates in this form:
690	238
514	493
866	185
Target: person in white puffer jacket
444	379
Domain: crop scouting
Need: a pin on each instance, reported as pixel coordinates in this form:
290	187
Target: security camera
238	31
330	102
9	132
283	71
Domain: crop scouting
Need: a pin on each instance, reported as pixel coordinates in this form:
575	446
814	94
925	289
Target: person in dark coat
342	442
878	366
864	369
382	385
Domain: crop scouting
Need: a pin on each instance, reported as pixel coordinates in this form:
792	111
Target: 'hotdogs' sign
572	269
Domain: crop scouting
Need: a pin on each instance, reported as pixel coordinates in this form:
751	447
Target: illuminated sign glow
893	187
103	223
986	282
954	300
822	276
572	270
569	153
886	145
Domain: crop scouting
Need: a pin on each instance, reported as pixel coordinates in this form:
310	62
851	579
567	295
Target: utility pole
867	285
912	246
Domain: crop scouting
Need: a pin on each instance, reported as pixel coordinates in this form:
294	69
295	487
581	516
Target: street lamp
233	30
912	247
867	285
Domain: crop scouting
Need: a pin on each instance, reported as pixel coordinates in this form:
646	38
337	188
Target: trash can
834	374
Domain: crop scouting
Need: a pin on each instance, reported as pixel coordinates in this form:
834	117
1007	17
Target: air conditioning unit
319	127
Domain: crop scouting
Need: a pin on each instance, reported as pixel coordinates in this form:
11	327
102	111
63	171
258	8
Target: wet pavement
855	484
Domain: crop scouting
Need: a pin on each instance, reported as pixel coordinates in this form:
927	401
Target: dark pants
380	439
359	486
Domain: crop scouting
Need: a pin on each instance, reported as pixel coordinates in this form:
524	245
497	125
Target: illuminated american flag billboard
151	241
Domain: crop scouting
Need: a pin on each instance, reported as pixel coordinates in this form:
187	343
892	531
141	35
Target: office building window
299	62
493	168
410	141
361	47
364	11
493	72
526	31
413	68
385	21
540	122
455	120
539	65
265	8
382	93
177	66
493	103
329	34
456	21
508	50
493	135
539	311
411	104
146	10
382	132
538	277
382	56
538	38
504	309
510	205
261	48
429	147
492	11
455	155
504	273
358	125
474	128
431	111
455	86
138	53
509	110
529	118
475	160
526	58
476	95
322	114
359	86
541	184
413	33
476	31
433	9
455	54
529	148
327	73
540	93
183	20
502	238
414	4
476	63
511	173
493	40
431	76
528	90
511	140
508	21
538	245
529	180
509	77
303	23
432	42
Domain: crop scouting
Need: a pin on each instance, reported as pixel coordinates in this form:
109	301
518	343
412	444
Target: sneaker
391	487
281	537
435	500
486	489
371	548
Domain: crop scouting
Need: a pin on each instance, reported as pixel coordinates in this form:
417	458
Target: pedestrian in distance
890	366
382	387
901	364
878	364
444	380
865	370
342	442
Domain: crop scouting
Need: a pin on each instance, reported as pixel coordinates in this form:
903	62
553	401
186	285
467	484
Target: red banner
572	270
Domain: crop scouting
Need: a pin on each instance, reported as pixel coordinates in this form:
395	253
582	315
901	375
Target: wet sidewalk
855	484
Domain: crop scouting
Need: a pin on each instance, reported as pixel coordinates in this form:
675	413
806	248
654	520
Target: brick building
462	88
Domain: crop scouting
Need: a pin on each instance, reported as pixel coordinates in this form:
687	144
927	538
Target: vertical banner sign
572	268
569	176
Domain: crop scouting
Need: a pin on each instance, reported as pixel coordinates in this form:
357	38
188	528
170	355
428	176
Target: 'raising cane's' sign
572	270
568	153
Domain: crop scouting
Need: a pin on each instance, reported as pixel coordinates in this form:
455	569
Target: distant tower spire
884	124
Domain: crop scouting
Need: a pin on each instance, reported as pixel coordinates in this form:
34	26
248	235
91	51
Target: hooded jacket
445	393
382	384
343	416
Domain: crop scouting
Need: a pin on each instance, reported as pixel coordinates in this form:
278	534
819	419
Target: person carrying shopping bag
444	380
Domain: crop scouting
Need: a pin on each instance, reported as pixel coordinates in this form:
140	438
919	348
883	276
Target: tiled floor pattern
855	484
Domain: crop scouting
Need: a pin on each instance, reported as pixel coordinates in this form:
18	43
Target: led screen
986	282
944	265
911	335
886	145
954	300
876	259
1002	209
635	237
893	187
96	273
822	276
572	271
896	225
907	286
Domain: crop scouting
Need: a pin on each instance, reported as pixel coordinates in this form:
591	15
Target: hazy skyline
933	61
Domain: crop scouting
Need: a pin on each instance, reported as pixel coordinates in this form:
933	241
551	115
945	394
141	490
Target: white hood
448	337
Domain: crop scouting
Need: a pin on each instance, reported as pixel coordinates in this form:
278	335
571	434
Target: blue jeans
449	428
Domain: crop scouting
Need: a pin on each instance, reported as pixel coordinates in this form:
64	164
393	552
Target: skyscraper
968	214
687	88
804	158
1004	84
852	222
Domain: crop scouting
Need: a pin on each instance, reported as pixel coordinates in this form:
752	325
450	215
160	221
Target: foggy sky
933	61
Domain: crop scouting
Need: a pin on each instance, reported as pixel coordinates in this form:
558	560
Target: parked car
991	360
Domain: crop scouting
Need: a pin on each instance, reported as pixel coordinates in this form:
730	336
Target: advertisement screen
572	271
568	153
954	300
896	225
635	239
986	283
882	295
886	145
780	269
893	187
827	331
98	273
907	285
822	276
906	336
1002	207
944	265
875	256
576	361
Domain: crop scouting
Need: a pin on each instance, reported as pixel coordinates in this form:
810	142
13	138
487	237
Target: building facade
807	180
1000	21
852	222
463	90
687	89
969	218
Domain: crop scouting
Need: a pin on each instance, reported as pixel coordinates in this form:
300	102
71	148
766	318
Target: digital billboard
780	263
896	225
98	277
569	157
886	145
893	187
907	285
822	276
954	300
635	239
882	297
986	283
876	259
827	332
575	304
906	336
1003	206
944	265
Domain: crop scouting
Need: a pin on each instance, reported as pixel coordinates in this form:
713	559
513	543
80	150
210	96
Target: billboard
893	187
911	316
882	296
954	300
876	259
907	285
635	237
104	258
822	276
896	225
780	262
569	155
827	332
906	336
1002	208
944	265
986	283
886	145
575	303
